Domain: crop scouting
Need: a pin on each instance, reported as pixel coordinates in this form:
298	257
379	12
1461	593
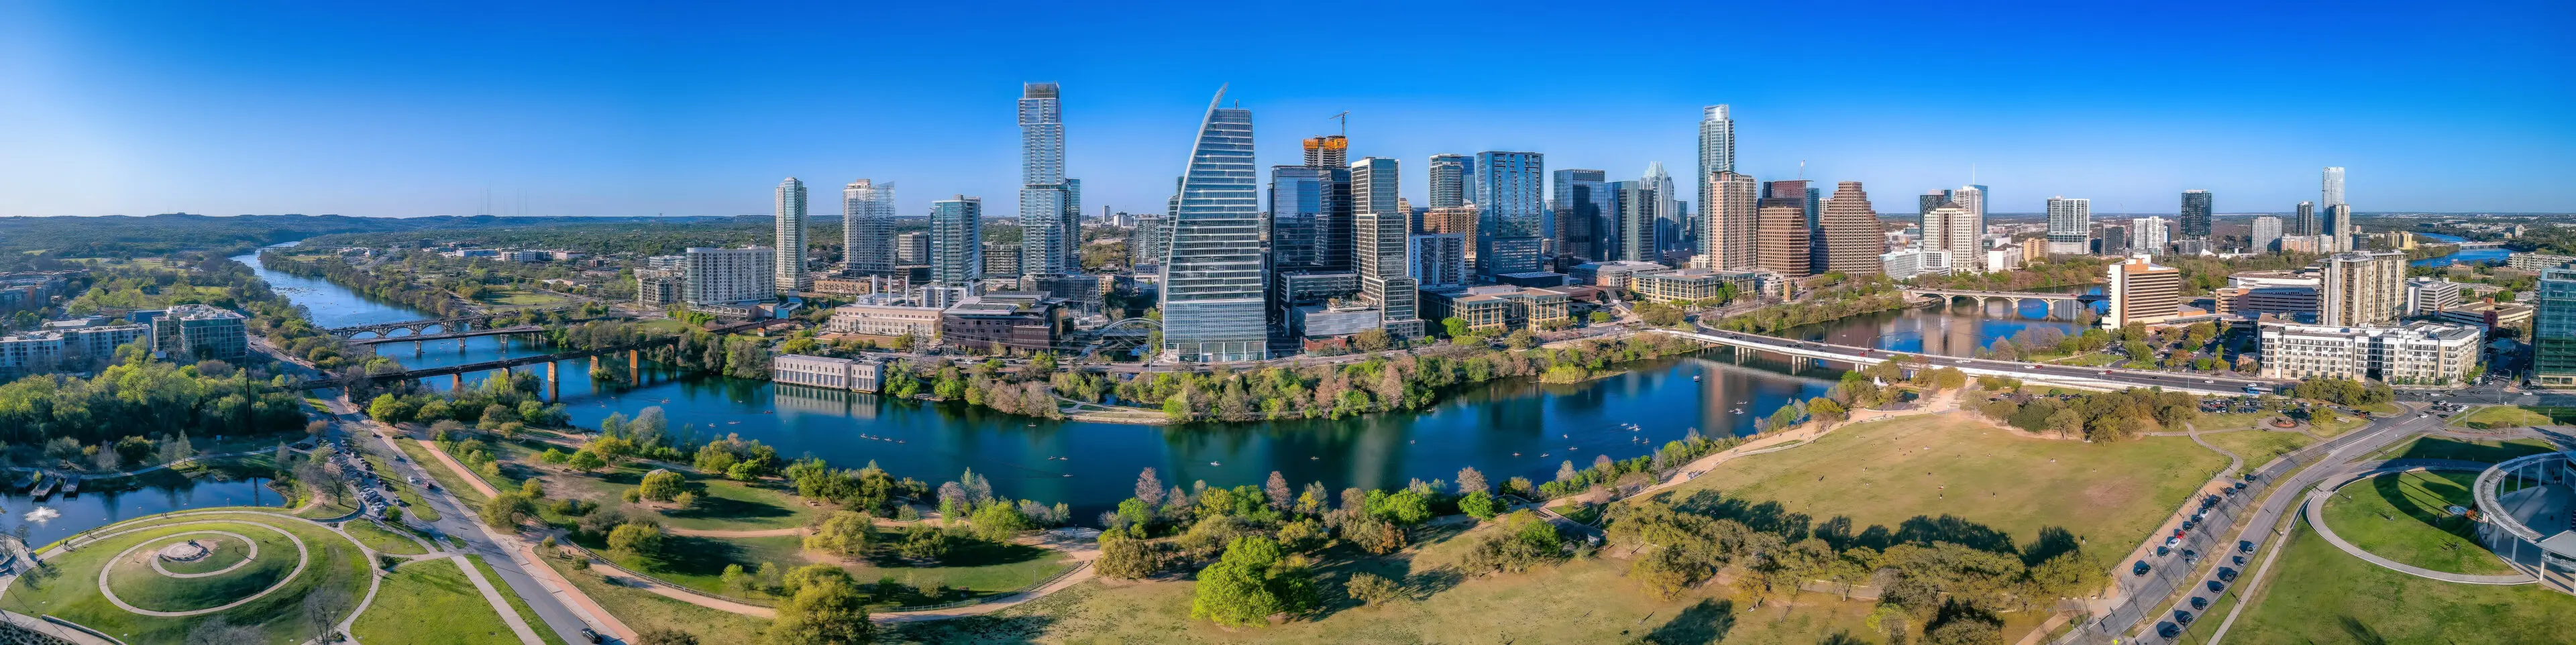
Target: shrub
1370	589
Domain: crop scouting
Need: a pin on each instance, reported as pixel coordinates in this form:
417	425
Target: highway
2073	375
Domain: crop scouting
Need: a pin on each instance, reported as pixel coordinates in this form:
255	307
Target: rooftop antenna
1345	118
1802	169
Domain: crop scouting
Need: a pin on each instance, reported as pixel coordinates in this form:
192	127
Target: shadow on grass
714	507
1700	624
1843	533
2410	497
2448	448
971	630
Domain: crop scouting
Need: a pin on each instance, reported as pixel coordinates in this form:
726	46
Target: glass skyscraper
1510	193
790	269
1299	217
2553	332
1050	218
2070	226
957	240
1716	155
1449	180
1383	229
1212	288
2195	214
867	226
1582	205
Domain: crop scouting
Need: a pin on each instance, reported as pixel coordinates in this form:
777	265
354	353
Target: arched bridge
415	327
2014	297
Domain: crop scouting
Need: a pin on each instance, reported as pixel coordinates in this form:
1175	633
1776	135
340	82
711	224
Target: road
2032	371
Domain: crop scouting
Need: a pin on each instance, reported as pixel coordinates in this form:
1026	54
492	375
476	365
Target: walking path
508	615
521	560
2316	512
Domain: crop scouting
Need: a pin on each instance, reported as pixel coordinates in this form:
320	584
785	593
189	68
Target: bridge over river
2090	378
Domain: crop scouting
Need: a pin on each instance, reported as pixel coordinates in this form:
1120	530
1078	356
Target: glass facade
957	240
1298	220
867	226
790	269
2553	332
1509	189
1449	180
1582	205
1050	224
1212	288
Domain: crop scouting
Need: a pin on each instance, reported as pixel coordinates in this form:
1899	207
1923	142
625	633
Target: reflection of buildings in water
823	400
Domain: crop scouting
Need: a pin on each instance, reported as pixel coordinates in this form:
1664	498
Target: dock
44	486
71	485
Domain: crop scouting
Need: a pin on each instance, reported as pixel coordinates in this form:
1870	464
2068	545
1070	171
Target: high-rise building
1449	180
1001	260
1670	224
1461	220
1953	229
2267	234
1050	216
1328	151
1582	202
2330	187
2304	223
957	241
1509	190
1637	201
2339	226
1212	287
2195	214
1975	198
2362	289
730	276
790	221
2141	292
1437	261
1716	155
1849	227
1151	240
2148	234
912	249
867	226
1383	234
2069	222
1784	239
1931	199
1727	237
1299	212
2553	329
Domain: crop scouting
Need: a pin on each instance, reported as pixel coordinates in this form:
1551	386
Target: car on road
2168	630
2140	568
2245	546
2216	586
2226	574
592	636
2181	616
2198	603
2172	542
2240	560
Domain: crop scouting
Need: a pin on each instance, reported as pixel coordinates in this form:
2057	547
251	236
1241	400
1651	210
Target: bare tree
325	604
223	632
1149	489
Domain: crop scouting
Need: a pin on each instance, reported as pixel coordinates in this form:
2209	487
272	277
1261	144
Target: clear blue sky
400	109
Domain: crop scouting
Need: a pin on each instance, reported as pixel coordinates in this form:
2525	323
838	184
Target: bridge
422	338
2051	300
2477	245
2090	378
502	366
419	327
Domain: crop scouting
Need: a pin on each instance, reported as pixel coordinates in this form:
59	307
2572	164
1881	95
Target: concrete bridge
501	367
1802	353
2052	300
460	333
2477	245
414	327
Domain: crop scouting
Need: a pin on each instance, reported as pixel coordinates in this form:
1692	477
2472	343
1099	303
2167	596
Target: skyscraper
1669	222
1954	229
2070	222
1329	156
2267	234
1975	198
2553	329
1509	189
957	241
717	276
1449	180
2339	226
1328	151
2304	221
1931	199
790	270
1784	239
1849	228
2195	214
1716	155
1212	287
1382	234
2148	234
2362	289
1638	220
867	226
2141	292
1050	216
1299	197
1727	238
1582	198
2331	186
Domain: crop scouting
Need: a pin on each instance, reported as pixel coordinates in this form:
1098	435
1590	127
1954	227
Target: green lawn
2485	450
447	477
136	582
2402	517
642	610
698	563
2095	359
2233	420
516	603
2329	424
980	568
383	541
736	506
431	602
69	588
2323	595
1882	474
2258	447
521	298
2500	416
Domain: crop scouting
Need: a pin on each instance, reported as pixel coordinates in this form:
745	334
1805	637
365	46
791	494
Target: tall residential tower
867	226
790	269
1050	216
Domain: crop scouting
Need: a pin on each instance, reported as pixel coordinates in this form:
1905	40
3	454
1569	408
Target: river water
1499	428
2464	255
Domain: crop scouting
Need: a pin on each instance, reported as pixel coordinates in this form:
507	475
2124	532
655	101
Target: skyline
407	112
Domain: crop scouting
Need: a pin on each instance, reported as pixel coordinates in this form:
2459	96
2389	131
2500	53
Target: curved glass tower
1212	279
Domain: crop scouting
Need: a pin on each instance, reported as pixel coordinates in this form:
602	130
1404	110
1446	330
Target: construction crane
1345	118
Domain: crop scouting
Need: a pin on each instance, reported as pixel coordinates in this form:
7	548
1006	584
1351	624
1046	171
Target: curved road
2316	512
2032	371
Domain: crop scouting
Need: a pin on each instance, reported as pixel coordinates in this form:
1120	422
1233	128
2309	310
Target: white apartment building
2419	353
2148	234
730	276
2004	258
1907	263
2427	295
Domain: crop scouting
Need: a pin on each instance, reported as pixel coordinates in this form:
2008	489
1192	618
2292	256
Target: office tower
1975	198
2362	289
1328	151
2111	240
867	226
1001	260
2553	330
1509	190
2425	296
1299	197
957	241
730	276
1849	228
2339	225
790	221
1931	199
2148	234
1436	260
1669	222
2195	214
2141	292
2267	234
1151	241
2331	186
1213	285
1382	236
1726	237
2069	221
1581	200
2304	221
1954	229
1716	155
1637	202
912	249
1050	219
1449	180
1461	220
1781	239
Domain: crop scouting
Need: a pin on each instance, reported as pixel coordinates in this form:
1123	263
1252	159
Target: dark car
2168	630
2245	546
2216	586
2139	569
592	636
2227	574
2163	551
2181	616
2190	557
2198	603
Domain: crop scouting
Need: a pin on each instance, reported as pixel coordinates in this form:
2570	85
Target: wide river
1500	428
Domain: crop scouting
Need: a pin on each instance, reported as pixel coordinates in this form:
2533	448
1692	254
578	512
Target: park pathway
2316	513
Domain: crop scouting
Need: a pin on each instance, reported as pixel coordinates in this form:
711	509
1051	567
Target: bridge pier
1800	363
634	365
456	382
552	394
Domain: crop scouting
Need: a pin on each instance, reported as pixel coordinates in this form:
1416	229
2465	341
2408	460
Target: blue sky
401	109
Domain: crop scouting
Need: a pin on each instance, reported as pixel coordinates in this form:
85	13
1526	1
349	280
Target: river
1499	428
2463	255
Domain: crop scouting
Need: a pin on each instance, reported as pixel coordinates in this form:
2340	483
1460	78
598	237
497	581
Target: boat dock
44	486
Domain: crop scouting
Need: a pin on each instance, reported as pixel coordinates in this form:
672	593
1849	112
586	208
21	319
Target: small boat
1694	378
1215	464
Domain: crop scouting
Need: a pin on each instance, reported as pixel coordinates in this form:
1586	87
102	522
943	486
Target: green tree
1479	504
585	461
999	521
1250	583
824	611
637	539
661	485
843	533
1455	326
505	511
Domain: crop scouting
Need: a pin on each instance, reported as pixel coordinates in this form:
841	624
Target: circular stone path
254	555
2316	512
303	558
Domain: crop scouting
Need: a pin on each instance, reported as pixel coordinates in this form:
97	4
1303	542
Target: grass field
698	563
1581	601
2329	424
2323	595
1903	474
521	298
2485	450
383	541
516	603
136	582
642	610
2259	447
69	589
2500	416
723	504
2402	517
429	602
447	477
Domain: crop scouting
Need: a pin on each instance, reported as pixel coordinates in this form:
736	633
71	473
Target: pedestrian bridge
1801	353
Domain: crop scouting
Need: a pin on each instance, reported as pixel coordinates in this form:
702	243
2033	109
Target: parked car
2199	603
2245	546
2139	569
2181	616
2168	630
2172	542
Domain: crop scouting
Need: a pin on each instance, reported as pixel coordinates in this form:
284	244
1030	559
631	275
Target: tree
1149	489
661	485
661	636
1252	582
1479	504
1371	340
324	605
825	611
843	533
1457	327
1370	589
1128	558
585	461
1826	410
218	631
1277	490
1470	480
999	522
637	539
504	512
